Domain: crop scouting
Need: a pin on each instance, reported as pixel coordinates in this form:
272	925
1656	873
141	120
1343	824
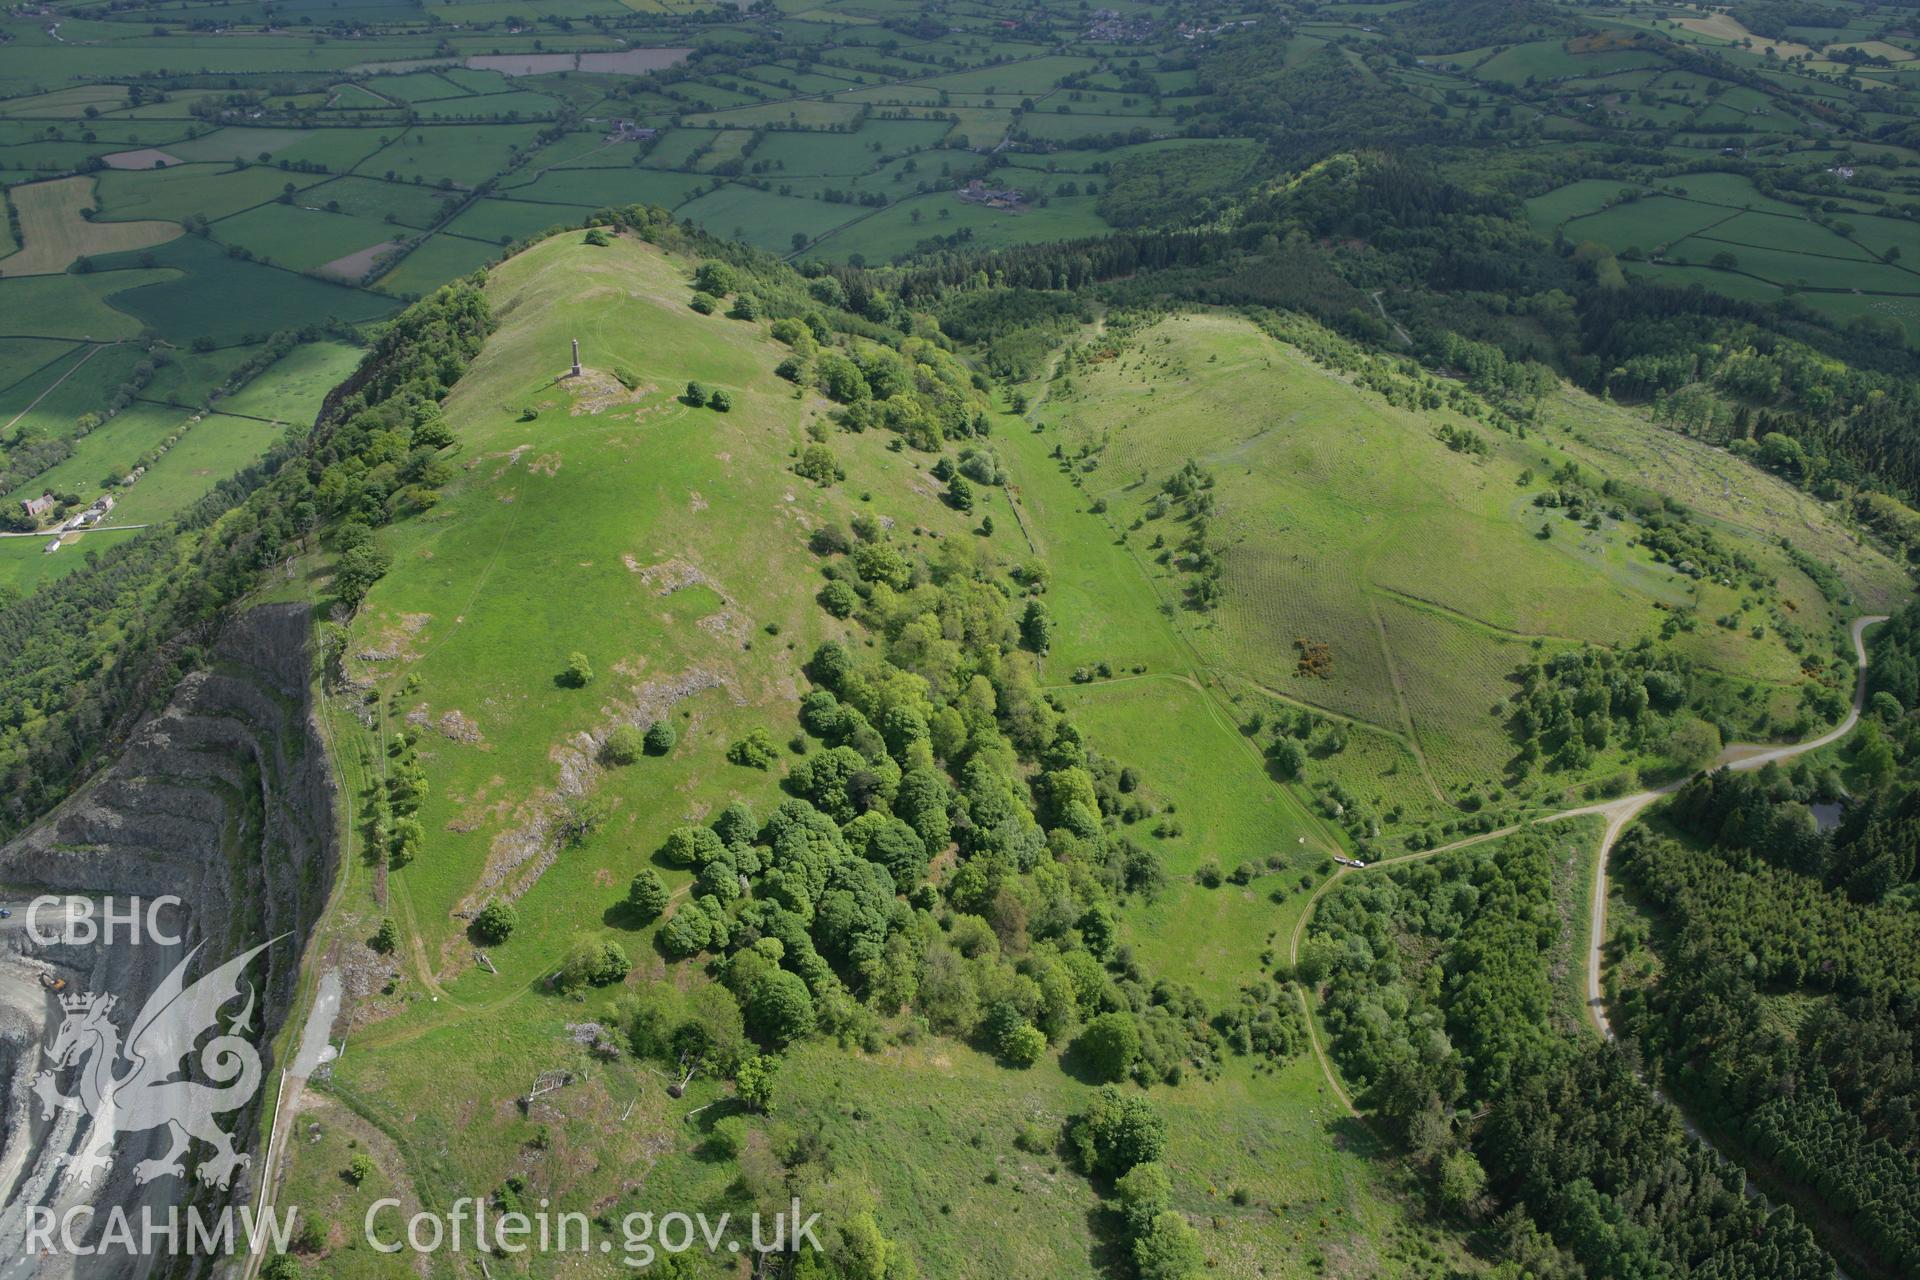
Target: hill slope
675	549
1432	556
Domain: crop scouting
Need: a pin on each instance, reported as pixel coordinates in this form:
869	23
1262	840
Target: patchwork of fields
199	188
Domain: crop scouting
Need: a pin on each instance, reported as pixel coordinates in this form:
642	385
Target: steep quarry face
133	1067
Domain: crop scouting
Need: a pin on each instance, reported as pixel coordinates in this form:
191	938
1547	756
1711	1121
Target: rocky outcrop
223	799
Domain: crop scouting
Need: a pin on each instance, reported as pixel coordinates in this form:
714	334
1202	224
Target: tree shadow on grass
1109	1251
1074	1062
626	917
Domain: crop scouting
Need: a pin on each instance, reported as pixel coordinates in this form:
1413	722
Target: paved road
49	533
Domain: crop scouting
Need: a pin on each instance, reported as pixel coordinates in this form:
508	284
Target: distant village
1109	26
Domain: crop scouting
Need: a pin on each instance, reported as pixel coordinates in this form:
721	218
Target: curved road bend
1618	813
1738	756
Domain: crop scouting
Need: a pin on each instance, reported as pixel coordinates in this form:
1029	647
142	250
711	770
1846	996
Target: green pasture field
440	259
726	144
1586	196
519	105
507	221
417	86
21	358
815	153
1787	235
1014	79
290	390
287	393
893	231
1646	223
1052	127
108	453
211	191
1733	191
49	400
1787	267
674	148
63	102
476	80
1842	307
356	97
704	96
764	219
464	155
302	236
897	137
588	149
109	134
75	306
780	115
226	299
210	451
410	206
1546	59
338	149
1071	160
978	127
599	188
25	563
793	80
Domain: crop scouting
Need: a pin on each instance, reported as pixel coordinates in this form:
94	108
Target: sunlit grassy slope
1349	522
668	544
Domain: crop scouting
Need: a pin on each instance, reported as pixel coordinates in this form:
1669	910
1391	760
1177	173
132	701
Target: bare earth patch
141	158
518	857
394	639
355	266
673	575
596	392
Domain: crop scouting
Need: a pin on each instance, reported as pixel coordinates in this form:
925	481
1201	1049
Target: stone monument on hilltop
576	357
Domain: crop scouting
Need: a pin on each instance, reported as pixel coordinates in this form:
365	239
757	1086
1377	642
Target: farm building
628	131
978	192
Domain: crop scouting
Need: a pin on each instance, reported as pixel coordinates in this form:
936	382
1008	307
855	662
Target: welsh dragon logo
138	1086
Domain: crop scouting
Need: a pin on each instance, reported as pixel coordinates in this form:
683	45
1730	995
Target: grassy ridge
1344	520
543	545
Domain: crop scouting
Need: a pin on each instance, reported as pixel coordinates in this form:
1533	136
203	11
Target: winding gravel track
1618	813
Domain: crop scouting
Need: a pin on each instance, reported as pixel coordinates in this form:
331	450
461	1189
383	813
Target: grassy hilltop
1411	543
669	545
